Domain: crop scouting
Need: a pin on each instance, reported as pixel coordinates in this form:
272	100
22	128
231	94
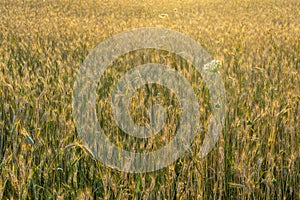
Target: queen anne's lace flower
212	66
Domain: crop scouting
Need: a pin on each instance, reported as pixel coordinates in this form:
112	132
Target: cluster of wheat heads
43	43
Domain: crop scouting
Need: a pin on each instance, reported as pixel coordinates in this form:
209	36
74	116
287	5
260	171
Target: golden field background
43	44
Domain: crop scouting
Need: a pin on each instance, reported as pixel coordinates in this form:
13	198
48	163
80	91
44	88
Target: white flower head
213	66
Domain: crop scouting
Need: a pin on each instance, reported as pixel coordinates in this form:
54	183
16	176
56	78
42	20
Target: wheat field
44	42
